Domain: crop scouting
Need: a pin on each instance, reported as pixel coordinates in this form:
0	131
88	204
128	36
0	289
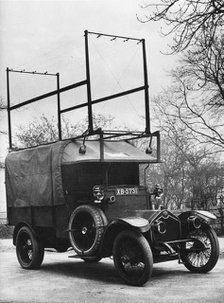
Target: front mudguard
138	223
194	219
118	225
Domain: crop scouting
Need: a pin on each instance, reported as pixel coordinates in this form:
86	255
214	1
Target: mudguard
199	216
118	225
206	215
202	214
140	223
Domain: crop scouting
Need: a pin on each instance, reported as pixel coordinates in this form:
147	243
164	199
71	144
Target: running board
81	257
75	256
166	258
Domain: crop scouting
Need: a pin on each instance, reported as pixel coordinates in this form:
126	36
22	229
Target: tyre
29	249
86	227
200	258
91	260
133	257
61	248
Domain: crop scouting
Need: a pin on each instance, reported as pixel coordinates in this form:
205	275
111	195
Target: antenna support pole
8	109
89	97
147	112
59	107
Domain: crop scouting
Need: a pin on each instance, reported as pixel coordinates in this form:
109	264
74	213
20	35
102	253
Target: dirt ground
63	279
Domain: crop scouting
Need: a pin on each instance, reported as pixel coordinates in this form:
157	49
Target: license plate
126	191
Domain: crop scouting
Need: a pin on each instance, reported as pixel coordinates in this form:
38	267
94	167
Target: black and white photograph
111	151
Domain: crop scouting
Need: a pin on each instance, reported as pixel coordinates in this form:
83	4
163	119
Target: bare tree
197	98
37	132
186	19
191	174
203	69
45	130
193	109
2	106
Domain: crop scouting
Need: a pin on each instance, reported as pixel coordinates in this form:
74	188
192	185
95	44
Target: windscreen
85	175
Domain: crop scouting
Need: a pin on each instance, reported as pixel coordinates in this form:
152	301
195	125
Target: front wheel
132	257
201	256
29	249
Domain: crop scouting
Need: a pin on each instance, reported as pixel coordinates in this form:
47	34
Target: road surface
63	279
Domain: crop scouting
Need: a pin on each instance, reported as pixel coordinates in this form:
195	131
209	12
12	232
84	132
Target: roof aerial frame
86	82
144	87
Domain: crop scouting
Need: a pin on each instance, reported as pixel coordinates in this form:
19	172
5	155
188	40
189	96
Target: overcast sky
48	36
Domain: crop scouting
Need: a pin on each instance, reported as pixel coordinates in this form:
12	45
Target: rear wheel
201	256
86	227
132	257
29	249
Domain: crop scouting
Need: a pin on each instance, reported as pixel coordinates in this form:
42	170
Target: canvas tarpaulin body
33	176
36	183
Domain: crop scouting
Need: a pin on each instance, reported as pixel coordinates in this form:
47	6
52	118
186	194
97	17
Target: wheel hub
84	230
